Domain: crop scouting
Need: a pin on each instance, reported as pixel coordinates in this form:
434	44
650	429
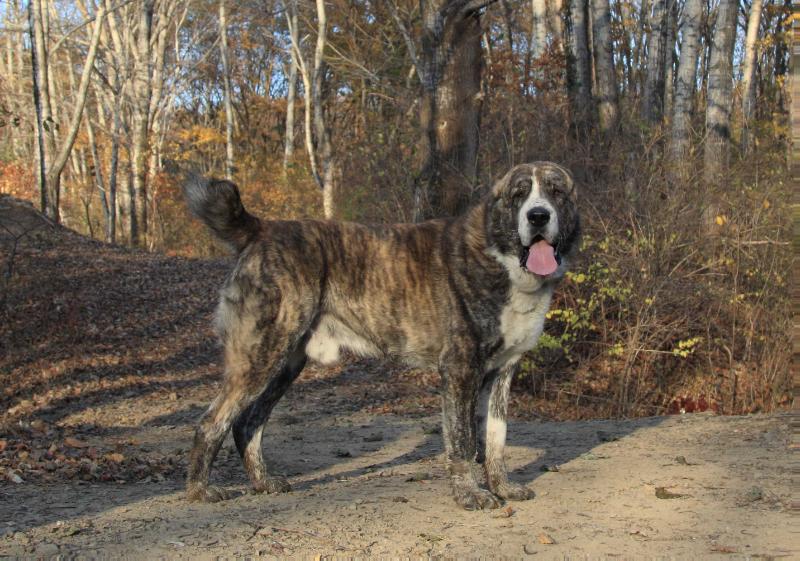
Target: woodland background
672	114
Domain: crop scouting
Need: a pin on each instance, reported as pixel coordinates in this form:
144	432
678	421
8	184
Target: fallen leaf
592	456
75	443
115	457
3	444
13	477
545	539
507	512
662	493
419	476
724	549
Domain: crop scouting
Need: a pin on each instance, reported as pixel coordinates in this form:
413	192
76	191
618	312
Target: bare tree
52	154
720	84
580	70
141	92
748	83
538	27
226	82
291	91
318	138
605	74
685	83
655	76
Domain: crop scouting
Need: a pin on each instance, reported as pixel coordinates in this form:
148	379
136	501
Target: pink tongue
541	259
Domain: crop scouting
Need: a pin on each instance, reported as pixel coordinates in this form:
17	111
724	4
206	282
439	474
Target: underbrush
678	299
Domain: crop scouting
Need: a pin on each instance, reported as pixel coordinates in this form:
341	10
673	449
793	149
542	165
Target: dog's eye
521	188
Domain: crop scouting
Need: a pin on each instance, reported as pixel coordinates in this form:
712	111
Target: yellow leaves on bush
686	347
199	134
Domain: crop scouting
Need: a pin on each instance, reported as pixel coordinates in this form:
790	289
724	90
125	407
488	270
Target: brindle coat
448	294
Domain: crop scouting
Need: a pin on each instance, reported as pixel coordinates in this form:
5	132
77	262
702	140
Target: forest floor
107	360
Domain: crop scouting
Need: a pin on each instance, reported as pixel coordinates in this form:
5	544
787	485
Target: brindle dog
465	295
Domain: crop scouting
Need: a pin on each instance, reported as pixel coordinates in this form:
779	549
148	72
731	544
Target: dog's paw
272	484
475	498
514	492
209	494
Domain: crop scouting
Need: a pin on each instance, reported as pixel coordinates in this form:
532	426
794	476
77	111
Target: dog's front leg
459	402
494	401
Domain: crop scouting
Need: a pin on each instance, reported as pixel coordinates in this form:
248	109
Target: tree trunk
40	110
748	83
291	94
321	129
99	181
288	147
685	83
605	73
580	71
53	158
720	84
113	168
555	9
141	112
670	59
538	28
449	107
655	79
639	51
226	81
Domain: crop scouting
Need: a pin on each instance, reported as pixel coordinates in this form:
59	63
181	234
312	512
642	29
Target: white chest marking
521	324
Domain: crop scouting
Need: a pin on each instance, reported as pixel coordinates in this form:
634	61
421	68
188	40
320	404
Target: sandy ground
373	485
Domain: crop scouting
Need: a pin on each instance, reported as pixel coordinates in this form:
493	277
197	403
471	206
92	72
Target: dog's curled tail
217	203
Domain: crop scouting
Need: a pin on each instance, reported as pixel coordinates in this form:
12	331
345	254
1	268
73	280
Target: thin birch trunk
288	148
141	111
226	81
748	83
321	128
685	83
653	96
98	175
605	73
720	85
538	28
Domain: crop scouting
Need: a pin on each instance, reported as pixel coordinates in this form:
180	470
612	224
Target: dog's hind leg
235	397
493	404
249	426
459	429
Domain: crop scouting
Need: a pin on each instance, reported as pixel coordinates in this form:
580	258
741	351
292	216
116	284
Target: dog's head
533	220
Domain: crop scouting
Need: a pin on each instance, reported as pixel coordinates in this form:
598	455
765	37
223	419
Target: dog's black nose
538	216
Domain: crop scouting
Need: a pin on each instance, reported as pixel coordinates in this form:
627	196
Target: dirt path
373	485
107	360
